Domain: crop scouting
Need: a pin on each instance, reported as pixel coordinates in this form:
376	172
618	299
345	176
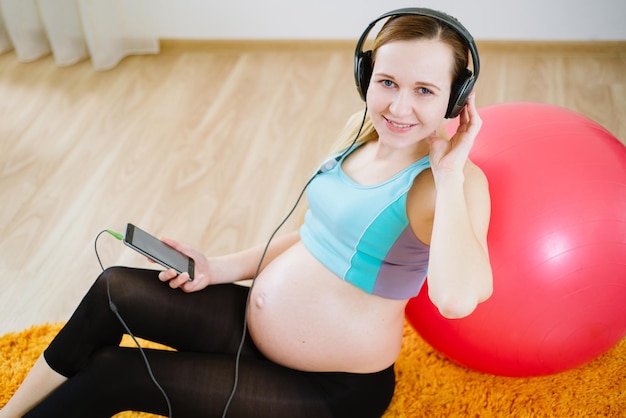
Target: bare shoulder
421	205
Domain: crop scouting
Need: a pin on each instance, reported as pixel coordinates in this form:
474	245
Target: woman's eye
424	90
387	83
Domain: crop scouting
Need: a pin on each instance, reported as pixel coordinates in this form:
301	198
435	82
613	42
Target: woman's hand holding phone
181	281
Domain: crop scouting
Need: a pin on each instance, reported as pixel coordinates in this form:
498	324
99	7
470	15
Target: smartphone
153	248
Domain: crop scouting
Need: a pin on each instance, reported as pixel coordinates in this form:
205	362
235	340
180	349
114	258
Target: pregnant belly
304	317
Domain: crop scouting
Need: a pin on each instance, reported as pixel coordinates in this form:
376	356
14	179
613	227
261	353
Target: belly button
260	301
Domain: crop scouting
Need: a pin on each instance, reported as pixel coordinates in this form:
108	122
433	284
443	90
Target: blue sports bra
362	233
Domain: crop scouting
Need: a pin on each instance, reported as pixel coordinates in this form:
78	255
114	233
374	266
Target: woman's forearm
459	272
243	264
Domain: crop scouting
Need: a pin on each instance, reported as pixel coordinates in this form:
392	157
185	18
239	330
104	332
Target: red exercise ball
557	242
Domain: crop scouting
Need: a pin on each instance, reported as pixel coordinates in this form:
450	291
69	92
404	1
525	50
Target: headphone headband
461	88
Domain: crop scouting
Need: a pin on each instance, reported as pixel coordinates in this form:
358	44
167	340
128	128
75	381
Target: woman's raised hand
450	156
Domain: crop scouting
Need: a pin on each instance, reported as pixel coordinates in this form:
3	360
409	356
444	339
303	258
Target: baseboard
612	47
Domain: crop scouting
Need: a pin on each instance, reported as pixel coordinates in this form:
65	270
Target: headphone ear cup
363	72
461	89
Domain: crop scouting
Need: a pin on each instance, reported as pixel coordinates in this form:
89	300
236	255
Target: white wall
346	19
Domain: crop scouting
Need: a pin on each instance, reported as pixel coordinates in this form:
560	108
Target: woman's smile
396	126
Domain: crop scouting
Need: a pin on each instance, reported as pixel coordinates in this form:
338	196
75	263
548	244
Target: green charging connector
116	234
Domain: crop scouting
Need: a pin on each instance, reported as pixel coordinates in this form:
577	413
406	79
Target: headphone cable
114	309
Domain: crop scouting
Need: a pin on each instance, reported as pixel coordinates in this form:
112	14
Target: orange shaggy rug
428	384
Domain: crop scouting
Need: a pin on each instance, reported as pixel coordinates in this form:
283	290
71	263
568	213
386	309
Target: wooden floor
206	142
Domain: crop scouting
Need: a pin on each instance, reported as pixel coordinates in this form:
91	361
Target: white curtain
72	30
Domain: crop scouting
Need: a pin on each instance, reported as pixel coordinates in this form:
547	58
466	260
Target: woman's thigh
211	320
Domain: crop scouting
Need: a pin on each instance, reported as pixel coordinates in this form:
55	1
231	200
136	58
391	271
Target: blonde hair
348	135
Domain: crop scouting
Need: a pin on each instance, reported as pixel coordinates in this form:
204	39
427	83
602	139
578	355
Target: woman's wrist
449	180
226	269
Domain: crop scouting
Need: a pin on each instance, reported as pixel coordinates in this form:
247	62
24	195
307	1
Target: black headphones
461	87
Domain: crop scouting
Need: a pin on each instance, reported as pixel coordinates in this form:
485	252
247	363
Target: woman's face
409	91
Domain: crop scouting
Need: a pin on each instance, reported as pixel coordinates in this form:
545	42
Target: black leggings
205	328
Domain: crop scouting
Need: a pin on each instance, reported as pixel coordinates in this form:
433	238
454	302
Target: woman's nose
401	104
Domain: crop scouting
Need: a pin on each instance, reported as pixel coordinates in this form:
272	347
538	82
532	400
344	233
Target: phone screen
156	250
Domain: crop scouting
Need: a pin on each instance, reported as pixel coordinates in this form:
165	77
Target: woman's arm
459	272
228	268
